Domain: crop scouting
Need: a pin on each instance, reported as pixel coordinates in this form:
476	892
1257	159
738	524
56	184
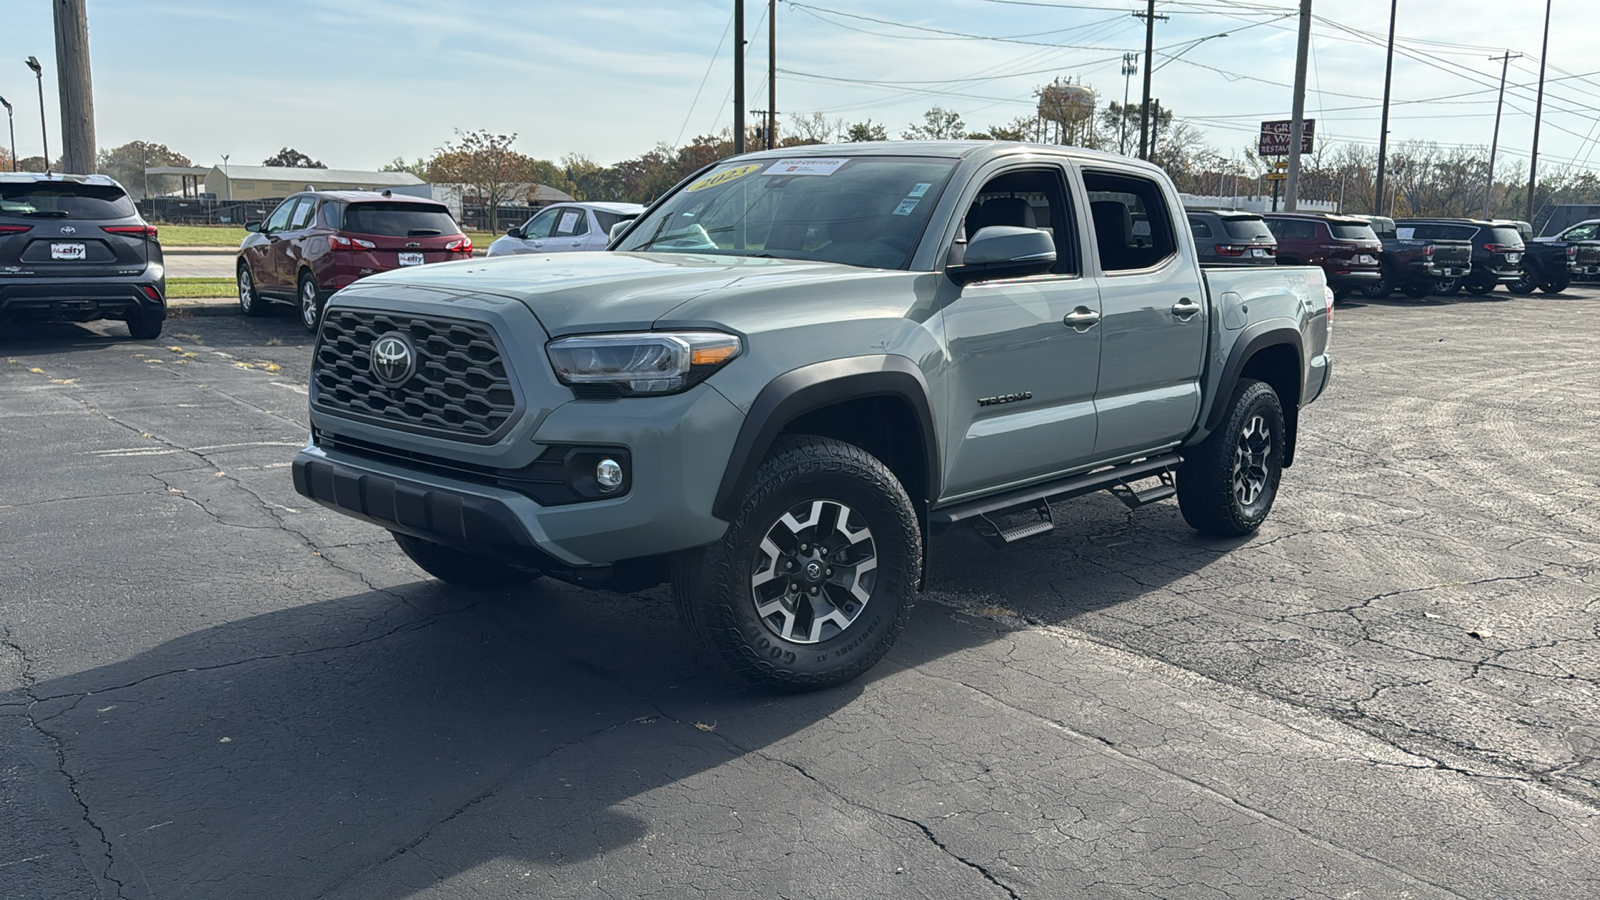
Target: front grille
461	389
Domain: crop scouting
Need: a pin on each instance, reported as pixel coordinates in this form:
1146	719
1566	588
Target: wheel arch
1271	353
878	403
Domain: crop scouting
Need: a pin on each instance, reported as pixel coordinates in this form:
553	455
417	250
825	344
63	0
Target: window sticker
906	206
721	177
805	166
569	220
920	189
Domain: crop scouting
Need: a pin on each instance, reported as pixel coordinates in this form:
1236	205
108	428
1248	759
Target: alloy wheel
308	302
1250	460
247	289
814	572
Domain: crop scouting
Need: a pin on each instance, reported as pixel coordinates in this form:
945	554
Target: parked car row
1378	255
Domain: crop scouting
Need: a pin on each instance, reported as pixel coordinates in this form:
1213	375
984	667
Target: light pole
11	120
226	177
44	132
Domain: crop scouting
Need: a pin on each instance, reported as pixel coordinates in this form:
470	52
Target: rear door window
1247	228
609	221
399	219
571	223
302	214
1293	229
1132	225
65	200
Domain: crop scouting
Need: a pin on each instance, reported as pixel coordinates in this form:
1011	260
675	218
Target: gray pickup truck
798	365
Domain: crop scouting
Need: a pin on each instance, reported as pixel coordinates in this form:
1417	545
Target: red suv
319	241
1347	249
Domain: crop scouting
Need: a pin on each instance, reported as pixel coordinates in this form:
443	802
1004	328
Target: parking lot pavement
209	687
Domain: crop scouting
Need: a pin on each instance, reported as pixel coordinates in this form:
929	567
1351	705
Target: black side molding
799	391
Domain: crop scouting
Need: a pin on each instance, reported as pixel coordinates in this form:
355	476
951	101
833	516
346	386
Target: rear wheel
814	579
1381	288
250	302
1478	282
1227	485
1416	290
1447	287
1527	283
1556	285
145	324
311	300
455	567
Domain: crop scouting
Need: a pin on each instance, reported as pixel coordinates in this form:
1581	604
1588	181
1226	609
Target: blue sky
355	83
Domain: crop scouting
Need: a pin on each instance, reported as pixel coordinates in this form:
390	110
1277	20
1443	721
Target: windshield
1352	232
865	211
65	200
399	219
1241	228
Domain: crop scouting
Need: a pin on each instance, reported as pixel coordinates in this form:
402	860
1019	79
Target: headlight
648	362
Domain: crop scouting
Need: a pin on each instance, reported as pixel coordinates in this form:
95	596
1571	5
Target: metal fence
192	211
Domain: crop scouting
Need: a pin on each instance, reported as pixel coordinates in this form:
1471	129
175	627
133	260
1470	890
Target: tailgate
1452	253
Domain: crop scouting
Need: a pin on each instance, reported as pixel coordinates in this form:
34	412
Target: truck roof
981	150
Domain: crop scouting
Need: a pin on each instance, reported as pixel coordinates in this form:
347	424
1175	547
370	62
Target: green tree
127	164
293	159
486	164
417	167
866	131
938	124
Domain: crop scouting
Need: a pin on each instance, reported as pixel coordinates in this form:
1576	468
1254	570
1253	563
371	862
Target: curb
202	307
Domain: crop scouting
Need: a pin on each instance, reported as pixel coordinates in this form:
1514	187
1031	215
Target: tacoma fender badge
1005	398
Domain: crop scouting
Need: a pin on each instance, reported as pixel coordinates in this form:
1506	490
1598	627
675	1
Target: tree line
1424	178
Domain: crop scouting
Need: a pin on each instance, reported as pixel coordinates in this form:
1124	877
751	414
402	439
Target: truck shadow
357	744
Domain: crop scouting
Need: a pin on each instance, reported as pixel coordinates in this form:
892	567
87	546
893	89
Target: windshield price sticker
721	177
920	189
805	166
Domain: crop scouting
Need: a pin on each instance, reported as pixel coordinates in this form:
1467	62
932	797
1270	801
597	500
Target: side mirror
253	227
1004	251
617	228
515	231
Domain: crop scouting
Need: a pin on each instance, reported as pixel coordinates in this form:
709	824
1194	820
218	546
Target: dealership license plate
1259	253
1513	257
1365	260
69	251
411	259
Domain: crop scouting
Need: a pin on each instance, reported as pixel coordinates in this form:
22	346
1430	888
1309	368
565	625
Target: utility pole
772	74
1150	18
1383	129
1297	129
1494	145
1538	114
1130	66
1155	126
738	77
77	91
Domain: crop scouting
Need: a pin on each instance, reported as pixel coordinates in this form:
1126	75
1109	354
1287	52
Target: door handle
1185	308
1080	319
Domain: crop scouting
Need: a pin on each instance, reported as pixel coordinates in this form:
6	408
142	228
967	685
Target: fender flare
813	387
1251	341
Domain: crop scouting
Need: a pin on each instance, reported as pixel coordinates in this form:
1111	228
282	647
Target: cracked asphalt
209	688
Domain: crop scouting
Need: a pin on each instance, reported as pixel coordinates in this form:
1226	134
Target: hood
574	293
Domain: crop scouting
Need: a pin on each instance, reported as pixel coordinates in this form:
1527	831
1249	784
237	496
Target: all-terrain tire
1556	285
1227	484
1381	288
815	578
455	567
1447	287
1528	283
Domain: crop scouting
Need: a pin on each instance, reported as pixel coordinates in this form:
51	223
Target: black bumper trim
479	525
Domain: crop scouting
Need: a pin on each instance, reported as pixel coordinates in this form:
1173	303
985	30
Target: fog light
608	474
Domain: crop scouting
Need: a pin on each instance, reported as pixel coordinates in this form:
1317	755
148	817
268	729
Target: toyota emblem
68	229
393	359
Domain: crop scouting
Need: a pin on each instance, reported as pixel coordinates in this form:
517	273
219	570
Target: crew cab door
1024	352
1153	303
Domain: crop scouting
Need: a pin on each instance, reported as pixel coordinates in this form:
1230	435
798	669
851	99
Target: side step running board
981	513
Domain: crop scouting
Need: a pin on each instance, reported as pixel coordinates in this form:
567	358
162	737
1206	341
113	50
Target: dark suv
1229	237
74	249
1497	250
319	241
1350	254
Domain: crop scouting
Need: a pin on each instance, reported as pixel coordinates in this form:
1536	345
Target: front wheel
250	302
311	300
455	567
1527	284
814	579
1227	485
